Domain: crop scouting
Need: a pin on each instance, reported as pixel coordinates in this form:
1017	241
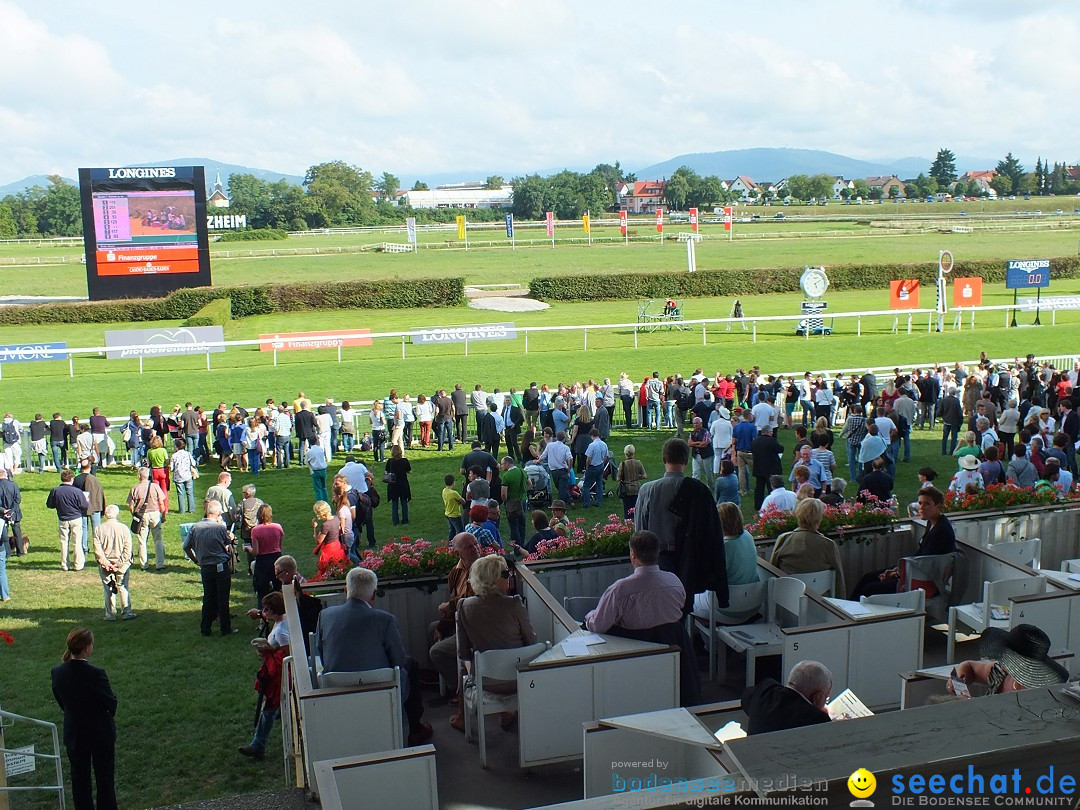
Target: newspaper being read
847	705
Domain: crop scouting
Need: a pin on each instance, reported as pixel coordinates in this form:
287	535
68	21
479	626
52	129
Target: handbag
623	491
389	477
136	519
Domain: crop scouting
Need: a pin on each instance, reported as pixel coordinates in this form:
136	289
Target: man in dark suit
83	692
355	637
952	417
1070	426
307	431
772	707
11	513
766	452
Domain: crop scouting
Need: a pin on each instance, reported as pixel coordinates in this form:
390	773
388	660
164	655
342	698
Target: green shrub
395	293
253	235
216	313
730	283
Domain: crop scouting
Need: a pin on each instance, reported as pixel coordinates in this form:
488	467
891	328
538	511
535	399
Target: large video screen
144	230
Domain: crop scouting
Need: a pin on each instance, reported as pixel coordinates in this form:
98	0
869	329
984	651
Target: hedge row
396	293
253	235
216	313
730	283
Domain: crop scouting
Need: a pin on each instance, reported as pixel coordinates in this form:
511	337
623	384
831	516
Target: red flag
693	220
727	218
659	220
622	221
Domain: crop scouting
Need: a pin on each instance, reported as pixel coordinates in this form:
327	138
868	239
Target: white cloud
428	86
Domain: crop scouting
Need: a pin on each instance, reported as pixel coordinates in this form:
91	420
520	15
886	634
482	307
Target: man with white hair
209	546
148	507
772	707
356	636
112	548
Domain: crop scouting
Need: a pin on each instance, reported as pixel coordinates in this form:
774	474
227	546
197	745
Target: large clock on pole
814	282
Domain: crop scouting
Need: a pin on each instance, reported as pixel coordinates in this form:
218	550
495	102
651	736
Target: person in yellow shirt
452	503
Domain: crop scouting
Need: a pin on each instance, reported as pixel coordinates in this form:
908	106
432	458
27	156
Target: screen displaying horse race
145	230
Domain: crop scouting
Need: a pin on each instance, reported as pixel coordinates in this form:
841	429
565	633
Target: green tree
530	197
251	196
974	189
678	188
494	183
798	187
1039	179
61	213
1013	170
706	191
821	186
420	186
341	194
943	168
388	185
1002	184
8	228
862	189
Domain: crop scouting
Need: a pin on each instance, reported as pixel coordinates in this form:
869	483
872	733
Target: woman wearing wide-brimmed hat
1012	660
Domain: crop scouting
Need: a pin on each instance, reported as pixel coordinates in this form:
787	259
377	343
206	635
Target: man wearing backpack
11	432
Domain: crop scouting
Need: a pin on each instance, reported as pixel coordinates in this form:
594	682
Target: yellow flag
461	227
585	221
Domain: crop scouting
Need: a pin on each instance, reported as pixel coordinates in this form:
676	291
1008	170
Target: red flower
5	636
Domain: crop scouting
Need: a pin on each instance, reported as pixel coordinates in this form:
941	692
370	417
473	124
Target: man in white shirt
763	413
478	402
316	461
806	399
558	459
325	422
780	499
596	456
722	437
356	472
283	446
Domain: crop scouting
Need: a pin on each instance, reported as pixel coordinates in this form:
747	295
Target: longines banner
292	341
186	340
459	334
32	352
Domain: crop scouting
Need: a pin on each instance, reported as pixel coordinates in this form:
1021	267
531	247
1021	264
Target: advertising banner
904	294
967	292
727	218
295	341
549	217
461	227
693	220
410	225
459	334
622	222
585	222
509	226
1023	273
659	220
31	352
186	340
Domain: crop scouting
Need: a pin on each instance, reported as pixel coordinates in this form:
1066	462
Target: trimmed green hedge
216	313
395	293
253	235
730	283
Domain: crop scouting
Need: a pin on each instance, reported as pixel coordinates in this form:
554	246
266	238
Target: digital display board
144	230
1023	273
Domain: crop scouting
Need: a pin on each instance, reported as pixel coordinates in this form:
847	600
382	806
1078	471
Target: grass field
847	238
187	702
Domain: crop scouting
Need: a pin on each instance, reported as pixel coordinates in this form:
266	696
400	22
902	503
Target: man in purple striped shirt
647	598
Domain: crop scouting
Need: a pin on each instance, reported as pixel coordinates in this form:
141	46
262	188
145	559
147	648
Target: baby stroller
611	475
537	487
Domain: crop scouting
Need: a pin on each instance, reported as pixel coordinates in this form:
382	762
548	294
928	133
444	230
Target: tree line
337	194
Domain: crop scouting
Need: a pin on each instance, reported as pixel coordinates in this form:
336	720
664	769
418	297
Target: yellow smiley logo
862	783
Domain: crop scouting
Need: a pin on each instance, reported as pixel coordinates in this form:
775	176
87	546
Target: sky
499	86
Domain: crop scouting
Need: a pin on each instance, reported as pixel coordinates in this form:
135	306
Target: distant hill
776	164
29	182
215	166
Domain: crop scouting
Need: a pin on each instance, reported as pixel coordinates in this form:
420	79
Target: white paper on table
1074	577
590	638
573	647
732	731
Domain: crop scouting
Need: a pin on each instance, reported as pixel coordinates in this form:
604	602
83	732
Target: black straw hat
1023	652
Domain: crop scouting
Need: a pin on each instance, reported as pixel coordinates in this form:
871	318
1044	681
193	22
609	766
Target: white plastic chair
786	599
365	678
742	599
823	583
978	616
579	606
1021	552
494	665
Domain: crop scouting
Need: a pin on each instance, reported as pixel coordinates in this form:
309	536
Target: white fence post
526	341
140	363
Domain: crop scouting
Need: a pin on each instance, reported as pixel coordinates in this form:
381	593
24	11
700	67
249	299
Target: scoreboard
145	230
